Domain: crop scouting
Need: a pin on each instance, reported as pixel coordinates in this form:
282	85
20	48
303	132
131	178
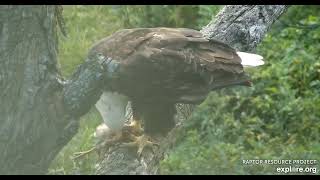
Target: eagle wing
178	63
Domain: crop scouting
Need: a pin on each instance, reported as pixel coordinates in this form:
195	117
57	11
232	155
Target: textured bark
39	111
242	27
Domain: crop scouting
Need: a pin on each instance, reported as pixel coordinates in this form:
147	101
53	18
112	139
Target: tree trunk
242	27
39	111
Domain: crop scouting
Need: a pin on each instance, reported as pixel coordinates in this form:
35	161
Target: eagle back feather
170	63
186	45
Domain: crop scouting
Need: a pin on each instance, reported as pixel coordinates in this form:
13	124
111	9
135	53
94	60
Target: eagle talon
141	142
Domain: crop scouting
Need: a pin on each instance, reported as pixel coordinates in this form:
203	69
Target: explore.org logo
286	166
293	169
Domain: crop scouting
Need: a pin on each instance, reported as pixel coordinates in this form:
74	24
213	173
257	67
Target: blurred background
278	118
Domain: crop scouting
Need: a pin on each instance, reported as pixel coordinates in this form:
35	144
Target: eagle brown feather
163	66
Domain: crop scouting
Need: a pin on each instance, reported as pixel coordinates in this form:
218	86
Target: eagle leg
141	142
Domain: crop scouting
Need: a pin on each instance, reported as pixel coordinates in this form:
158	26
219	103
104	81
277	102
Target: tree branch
83	89
242	27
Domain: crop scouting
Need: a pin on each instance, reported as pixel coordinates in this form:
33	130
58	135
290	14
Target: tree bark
242	27
39	111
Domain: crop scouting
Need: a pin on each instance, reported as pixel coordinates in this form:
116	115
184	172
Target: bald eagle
156	68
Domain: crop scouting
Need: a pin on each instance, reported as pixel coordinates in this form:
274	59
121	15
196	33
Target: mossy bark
39	111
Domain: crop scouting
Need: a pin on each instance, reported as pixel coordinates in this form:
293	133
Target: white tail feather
250	60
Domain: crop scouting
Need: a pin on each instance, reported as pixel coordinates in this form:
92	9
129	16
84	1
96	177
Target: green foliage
85	25
207	14
158	16
279	118
187	16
